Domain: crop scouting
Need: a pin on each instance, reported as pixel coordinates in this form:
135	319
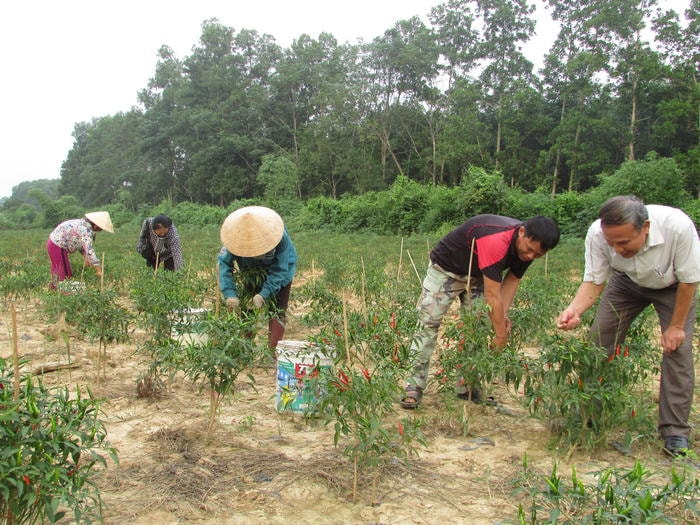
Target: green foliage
279	177
619	495
586	395
654	180
467	359
482	192
52	447
357	403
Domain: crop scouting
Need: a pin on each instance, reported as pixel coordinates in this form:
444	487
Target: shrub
51	443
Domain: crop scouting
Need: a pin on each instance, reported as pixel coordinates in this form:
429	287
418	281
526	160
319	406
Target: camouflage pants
440	289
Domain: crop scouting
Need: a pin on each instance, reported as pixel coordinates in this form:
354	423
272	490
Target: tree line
242	117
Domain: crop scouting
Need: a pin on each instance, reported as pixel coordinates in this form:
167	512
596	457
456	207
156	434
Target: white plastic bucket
297	363
185	326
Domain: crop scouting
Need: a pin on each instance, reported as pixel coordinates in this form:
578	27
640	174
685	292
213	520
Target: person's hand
233	304
258	301
568	319
672	338
498	343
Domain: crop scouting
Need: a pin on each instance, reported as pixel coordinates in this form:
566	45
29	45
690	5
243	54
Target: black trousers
150	255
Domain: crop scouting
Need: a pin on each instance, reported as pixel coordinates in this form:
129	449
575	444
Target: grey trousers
621	302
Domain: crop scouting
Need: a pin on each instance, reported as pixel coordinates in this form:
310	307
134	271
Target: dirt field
267	467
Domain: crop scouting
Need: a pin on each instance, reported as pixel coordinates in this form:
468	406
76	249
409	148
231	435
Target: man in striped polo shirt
490	253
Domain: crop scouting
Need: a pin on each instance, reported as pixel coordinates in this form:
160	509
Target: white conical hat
101	219
252	231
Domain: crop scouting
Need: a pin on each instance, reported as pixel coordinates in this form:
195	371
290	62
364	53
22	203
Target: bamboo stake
217	302
354	480
364	288
546	261
155	268
102	273
414	266
345	330
15	352
398	271
469	273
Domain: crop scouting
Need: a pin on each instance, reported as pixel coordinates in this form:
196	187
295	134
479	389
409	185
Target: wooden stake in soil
469	274
414	266
218	287
15	352
345	330
102	273
398	270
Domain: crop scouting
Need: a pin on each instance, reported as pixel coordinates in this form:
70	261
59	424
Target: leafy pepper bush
50	450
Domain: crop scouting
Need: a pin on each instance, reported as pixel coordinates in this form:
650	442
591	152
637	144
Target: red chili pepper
337	332
611	357
392	323
343	378
617	350
399	425
627	351
634	412
365	373
26	479
580	383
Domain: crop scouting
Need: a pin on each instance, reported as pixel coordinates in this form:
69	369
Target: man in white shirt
647	255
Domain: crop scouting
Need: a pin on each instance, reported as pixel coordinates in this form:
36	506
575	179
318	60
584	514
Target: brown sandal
412	397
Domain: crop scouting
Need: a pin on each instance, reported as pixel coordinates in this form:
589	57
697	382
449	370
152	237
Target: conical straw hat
252	231
102	219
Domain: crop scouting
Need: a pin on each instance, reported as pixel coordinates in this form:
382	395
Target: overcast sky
69	61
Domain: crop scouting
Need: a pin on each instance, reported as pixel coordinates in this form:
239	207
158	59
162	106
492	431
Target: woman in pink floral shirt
76	235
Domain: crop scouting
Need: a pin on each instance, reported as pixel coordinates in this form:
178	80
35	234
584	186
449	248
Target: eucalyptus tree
163	130
676	129
507	26
227	96
314	112
105	158
615	32
399	66
571	76
458	40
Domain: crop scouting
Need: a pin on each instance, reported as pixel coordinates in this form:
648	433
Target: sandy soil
267	467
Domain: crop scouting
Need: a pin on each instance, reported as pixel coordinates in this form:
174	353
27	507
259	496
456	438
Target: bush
654	180
50	443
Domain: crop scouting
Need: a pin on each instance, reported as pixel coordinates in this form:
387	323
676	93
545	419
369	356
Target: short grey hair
623	209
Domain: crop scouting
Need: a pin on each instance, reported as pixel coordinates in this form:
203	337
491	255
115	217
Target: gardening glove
258	301
233	304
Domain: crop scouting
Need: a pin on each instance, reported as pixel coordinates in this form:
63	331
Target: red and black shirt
494	248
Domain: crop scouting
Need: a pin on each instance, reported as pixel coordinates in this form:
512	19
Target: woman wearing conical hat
76	235
257	245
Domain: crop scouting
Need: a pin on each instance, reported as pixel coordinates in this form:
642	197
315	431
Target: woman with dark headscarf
159	243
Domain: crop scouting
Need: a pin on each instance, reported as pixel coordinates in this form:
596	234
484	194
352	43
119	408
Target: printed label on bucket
299	363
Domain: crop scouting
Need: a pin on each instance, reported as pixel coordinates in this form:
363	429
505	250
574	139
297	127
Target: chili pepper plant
466	358
618	495
361	390
587	395
95	314
53	446
225	353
